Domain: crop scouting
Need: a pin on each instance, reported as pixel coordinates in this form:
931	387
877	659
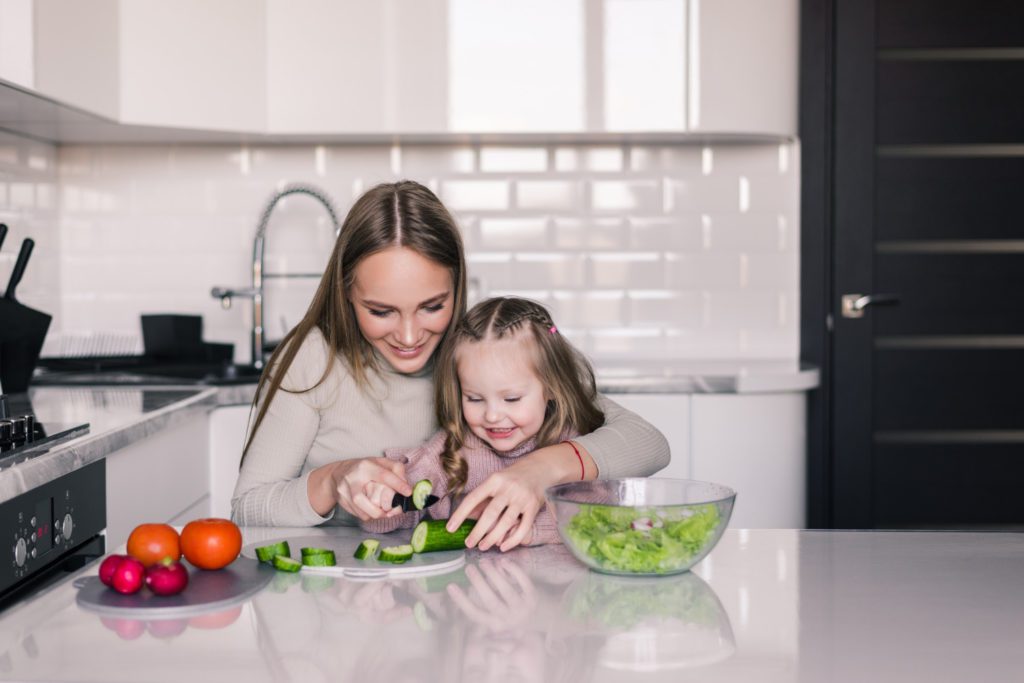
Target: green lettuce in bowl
641	526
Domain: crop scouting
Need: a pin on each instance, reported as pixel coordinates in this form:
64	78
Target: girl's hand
355	481
505	505
501	595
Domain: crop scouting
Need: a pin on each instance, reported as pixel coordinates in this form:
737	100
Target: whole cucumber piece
430	535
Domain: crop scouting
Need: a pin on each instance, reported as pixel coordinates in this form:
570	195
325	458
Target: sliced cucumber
396	554
367	549
420	491
324	559
431	535
268	552
314	551
286	564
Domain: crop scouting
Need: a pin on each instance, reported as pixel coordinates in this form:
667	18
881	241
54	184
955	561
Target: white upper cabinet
16	59
194	64
425	67
77	55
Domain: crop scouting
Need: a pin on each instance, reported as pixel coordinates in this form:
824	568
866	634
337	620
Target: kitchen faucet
256	291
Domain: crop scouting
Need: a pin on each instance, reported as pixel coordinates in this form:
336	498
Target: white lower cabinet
227	438
670	413
753	443
161	478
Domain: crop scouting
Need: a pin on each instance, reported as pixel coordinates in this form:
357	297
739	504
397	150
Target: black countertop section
138	371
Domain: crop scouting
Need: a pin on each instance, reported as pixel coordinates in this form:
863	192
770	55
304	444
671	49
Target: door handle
853	305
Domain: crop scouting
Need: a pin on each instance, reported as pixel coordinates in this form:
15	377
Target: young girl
507	383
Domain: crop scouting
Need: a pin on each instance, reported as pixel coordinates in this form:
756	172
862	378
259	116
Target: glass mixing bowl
641	527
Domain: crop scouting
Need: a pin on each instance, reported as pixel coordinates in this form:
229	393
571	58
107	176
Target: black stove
56	527
23	436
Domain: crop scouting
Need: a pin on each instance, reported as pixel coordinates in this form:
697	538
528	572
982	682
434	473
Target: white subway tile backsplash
513	159
475	195
424	161
636	249
664	308
545	271
703	271
548	195
626	195
513	233
683	160
637	270
778	271
747	159
675	233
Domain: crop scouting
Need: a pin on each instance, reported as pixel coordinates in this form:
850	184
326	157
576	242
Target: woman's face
403	303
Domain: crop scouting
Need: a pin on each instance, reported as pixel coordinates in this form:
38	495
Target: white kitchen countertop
766	605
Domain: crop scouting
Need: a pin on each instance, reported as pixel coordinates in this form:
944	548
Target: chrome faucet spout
255	292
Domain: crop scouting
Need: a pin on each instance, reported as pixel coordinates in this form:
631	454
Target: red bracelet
583	472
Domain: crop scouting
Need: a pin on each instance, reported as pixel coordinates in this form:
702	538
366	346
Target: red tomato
211	543
151	543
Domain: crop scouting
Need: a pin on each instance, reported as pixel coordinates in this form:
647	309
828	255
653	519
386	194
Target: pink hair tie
553	329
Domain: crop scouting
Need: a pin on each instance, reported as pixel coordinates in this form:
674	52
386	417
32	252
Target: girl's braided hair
563	371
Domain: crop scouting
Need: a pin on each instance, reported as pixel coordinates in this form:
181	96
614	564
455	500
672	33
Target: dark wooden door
927	394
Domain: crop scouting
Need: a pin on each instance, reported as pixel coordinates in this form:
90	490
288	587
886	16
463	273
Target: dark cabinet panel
950	23
950	102
953	485
949	198
948	390
951	294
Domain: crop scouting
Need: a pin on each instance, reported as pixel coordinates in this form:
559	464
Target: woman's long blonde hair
404	214
564	372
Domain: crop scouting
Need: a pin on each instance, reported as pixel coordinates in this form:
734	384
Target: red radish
167	578
128	576
108	566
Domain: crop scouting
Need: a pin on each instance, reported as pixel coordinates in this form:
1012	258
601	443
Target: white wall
29	199
665	251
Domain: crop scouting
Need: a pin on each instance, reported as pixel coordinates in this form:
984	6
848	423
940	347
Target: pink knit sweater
424	462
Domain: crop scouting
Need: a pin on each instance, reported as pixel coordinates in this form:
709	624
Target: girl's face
403	304
503	400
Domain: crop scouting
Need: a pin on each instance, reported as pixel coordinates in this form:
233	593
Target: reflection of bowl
648	624
644	527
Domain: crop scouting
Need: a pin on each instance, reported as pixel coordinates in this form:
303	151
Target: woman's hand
506	503
358	486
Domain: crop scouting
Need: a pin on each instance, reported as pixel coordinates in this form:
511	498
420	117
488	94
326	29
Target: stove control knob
68	526
20	551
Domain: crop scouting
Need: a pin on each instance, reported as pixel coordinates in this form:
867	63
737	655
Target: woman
355	377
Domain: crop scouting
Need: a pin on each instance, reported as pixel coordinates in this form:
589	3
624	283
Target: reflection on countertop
768	605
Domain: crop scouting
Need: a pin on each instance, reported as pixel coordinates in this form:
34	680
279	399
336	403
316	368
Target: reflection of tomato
126	629
166	628
211	543
216	619
151	543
